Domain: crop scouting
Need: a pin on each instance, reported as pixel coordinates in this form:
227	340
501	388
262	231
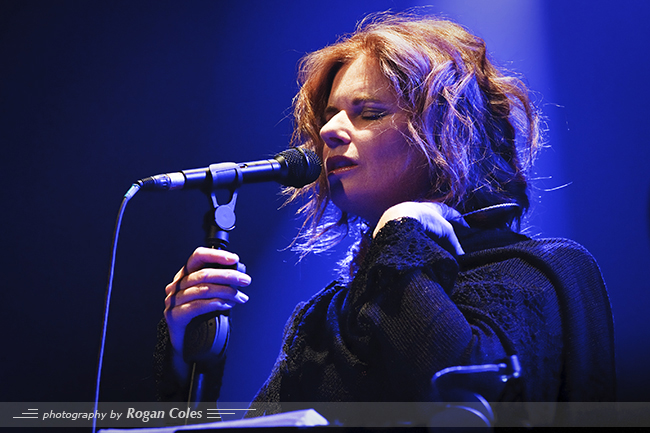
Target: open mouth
339	164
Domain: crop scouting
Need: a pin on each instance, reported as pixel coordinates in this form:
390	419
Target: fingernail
222	305
244	279
242	297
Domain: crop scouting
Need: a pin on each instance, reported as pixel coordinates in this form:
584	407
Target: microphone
295	167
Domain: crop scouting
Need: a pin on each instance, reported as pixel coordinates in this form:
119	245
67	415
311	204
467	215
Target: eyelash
373	115
365	115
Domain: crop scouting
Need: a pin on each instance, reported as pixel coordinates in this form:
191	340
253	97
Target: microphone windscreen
303	165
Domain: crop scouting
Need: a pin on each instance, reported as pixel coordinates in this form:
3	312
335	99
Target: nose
336	131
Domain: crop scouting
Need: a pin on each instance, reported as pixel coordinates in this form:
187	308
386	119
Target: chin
359	205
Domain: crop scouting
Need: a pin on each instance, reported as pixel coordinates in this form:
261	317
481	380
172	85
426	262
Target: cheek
395	151
408	169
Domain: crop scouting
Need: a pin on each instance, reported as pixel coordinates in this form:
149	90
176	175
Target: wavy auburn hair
474	123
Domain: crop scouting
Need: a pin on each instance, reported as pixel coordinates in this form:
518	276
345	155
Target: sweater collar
475	239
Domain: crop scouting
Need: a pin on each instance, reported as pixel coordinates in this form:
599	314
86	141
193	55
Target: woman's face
370	166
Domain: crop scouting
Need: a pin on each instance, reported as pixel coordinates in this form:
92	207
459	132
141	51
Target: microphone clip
224	218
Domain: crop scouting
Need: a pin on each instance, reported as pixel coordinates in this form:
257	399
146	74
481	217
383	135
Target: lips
339	164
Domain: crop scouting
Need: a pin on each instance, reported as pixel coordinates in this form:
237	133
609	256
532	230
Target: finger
435	223
180	274
203	256
456	244
182	314
448	212
179	317
206	291
449	235
227	277
186	312
173	287
207	276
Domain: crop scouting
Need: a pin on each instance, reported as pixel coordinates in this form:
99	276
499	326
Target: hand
433	216
197	290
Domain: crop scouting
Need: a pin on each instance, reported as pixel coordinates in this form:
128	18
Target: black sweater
413	309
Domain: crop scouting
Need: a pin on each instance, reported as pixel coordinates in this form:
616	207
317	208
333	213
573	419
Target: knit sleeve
403	292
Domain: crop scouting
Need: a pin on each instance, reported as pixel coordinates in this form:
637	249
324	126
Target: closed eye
373	114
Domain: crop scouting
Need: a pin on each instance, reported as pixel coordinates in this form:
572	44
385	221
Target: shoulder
552	271
550	248
556	270
557	254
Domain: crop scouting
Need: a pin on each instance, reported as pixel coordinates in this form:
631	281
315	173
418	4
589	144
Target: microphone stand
206	336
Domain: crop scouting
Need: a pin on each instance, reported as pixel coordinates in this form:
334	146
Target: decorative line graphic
216	413
30	414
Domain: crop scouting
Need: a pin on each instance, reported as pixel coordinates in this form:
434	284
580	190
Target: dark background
97	94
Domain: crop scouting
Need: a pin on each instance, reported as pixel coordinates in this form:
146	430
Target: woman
425	145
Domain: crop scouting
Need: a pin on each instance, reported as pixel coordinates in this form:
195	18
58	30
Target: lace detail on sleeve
403	245
167	387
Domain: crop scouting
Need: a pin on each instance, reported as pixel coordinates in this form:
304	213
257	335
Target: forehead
361	78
